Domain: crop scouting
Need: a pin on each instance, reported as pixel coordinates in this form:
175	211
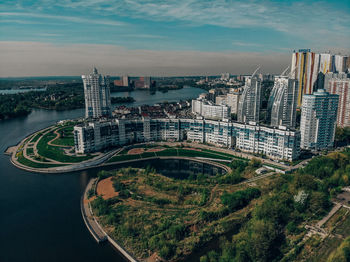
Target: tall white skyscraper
97	95
318	120
126	80
249	103
282	103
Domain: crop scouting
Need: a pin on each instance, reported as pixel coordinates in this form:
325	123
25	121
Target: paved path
330	214
253	179
89	220
94	227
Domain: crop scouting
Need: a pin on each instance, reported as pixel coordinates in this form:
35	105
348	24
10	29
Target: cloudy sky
178	37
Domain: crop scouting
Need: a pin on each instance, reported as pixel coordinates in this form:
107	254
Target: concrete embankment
87	215
95	228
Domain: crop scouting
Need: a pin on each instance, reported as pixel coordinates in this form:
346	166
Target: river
40	215
17	91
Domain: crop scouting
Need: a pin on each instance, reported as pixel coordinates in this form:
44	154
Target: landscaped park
52	150
49	148
152	215
302	216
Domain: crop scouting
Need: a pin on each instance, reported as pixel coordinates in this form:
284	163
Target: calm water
39	213
146	97
16	91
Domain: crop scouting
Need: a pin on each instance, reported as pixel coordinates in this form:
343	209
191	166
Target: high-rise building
148	82
341	87
249	103
303	64
318	120
232	100
225	76
307	65
97	95
126	80
220	100
337	63
282	103
331	76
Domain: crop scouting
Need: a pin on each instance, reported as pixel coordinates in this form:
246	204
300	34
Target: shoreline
101	160
94	227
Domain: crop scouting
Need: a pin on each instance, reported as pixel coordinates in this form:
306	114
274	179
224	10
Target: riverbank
93	225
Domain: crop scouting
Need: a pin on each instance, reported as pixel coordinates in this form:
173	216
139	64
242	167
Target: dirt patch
105	188
158	149
154	258
89	200
136	151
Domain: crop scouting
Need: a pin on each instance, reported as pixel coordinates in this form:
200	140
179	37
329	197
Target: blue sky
131	29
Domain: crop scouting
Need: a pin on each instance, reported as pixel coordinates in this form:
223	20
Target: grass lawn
30	151
36	137
64	141
24	161
56	153
123	156
118	158
67	137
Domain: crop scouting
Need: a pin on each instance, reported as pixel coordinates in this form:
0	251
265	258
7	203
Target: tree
342	136
262	240
254	162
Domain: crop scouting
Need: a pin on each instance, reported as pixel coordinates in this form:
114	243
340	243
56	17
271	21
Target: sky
178	37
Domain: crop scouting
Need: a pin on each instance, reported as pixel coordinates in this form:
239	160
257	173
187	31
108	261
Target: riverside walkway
95	228
89	220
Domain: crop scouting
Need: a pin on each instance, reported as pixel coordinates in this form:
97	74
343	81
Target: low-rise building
209	110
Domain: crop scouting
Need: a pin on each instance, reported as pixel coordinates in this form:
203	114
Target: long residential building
276	143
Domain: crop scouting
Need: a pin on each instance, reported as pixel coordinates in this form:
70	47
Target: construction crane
285	70
256	70
292	73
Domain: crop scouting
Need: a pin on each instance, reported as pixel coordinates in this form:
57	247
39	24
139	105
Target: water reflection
176	168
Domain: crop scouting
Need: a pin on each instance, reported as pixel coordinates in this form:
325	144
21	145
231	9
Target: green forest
56	97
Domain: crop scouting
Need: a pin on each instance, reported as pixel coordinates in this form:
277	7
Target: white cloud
35	58
248	44
73	19
317	22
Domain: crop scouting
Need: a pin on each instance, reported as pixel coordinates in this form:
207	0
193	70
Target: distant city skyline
185	37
